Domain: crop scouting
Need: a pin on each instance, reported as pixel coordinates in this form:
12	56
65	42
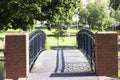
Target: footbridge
65	62
84	63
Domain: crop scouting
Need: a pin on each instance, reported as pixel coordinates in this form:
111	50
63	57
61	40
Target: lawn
119	60
69	41
119	73
69	31
119	65
1	54
61	42
118	53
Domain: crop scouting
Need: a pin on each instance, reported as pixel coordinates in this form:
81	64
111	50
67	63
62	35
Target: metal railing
36	45
86	42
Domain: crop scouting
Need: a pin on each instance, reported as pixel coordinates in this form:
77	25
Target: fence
86	42
36	45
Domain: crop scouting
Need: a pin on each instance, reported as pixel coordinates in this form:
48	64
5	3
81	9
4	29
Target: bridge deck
62	65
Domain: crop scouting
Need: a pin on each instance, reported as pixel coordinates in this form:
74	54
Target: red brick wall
16	51
106	51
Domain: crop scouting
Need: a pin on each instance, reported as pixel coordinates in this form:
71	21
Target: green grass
48	32
1	54
118	53
119	73
69	41
61	42
119	65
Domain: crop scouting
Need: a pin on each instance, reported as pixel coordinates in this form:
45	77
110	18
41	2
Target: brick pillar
17	56
106	51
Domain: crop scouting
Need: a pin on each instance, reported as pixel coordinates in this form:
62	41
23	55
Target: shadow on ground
82	74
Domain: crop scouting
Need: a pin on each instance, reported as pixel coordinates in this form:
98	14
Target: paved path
61	65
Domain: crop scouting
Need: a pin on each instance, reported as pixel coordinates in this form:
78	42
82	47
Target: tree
108	22
23	13
83	15
115	4
97	15
117	15
20	13
60	14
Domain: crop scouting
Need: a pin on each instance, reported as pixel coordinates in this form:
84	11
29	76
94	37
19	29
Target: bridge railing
36	45
86	42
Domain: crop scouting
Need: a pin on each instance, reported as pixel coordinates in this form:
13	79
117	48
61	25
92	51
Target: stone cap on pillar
110	32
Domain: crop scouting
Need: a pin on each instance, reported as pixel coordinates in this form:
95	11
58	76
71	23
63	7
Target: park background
63	19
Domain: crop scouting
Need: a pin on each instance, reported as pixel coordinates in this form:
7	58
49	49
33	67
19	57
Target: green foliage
47	46
83	16
62	13
23	14
108	22
115	4
2	70
117	15
1	54
97	15
58	25
20	13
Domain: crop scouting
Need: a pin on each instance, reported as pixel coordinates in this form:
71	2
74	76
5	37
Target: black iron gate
86	42
36	45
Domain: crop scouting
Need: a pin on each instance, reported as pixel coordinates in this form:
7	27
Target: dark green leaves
115	4
20	13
